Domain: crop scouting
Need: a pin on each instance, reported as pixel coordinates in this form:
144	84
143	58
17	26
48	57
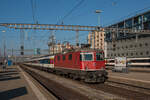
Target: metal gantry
49	27
71	28
76	28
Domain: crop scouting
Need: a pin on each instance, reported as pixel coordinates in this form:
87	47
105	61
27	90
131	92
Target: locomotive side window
70	57
99	56
64	57
58	58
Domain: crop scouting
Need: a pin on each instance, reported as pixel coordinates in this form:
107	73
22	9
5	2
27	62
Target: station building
127	44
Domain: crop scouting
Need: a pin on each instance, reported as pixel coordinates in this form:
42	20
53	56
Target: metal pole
12	52
98	12
77	38
4	48
99	19
94	38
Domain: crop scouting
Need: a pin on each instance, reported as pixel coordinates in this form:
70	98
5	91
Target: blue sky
51	11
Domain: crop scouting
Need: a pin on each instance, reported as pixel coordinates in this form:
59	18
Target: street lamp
4	43
3	31
98	12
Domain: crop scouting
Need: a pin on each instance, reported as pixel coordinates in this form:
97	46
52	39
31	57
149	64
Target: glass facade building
141	21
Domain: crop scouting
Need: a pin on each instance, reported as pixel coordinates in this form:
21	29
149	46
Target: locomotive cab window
86	57
99	56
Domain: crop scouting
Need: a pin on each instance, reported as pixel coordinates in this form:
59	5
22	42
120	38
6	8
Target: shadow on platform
7	71
10	68
9	78
10	94
10	73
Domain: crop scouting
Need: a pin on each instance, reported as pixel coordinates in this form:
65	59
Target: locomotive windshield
86	57
99	56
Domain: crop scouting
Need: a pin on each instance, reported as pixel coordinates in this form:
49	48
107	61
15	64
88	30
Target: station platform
137	79
16	85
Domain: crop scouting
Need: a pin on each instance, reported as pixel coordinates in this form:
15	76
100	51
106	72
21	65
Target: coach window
64	57
70	57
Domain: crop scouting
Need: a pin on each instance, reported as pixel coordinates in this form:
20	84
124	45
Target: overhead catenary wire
70	12
33	5
61	21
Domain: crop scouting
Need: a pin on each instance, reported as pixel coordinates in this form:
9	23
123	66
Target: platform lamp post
97	12
4	44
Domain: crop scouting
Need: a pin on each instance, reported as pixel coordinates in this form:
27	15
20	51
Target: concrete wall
129	48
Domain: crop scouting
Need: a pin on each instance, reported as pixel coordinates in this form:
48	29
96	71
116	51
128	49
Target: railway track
107	91
123	91
61	92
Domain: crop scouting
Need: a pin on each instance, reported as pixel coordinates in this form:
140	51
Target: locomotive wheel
103	79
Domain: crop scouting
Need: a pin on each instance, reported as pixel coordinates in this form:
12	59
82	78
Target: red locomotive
83	64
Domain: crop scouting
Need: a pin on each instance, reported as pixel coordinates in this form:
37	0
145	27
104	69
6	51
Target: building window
108	55
111	54
147	52
131	54
141	53
118	48
146	44
136	53
122	54
135	45
140	45
126	54
131	46
70	57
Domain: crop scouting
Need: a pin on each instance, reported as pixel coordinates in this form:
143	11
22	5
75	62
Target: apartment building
96	39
